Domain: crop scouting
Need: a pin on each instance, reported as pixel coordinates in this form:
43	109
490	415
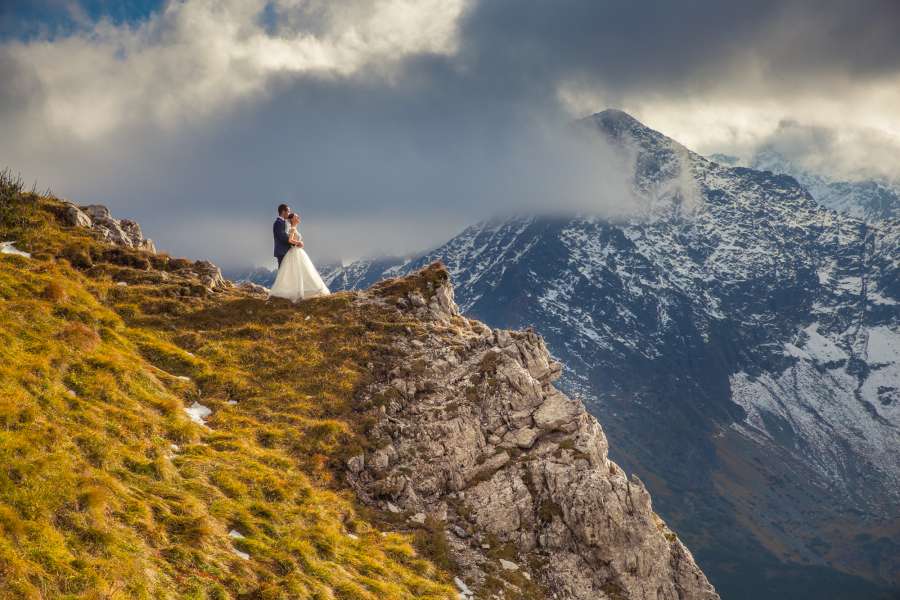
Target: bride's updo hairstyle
291	216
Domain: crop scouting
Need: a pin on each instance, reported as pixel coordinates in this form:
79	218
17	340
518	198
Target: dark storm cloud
659	44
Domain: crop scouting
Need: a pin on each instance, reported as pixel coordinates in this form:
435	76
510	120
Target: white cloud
198	56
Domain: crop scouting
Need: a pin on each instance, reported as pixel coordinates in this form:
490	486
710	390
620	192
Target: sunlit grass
108	490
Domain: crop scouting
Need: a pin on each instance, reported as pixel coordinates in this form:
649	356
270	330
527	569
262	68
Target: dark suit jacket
279	232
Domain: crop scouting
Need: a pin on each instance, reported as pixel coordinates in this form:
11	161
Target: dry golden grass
108	490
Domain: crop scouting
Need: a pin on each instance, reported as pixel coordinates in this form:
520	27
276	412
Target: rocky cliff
473	434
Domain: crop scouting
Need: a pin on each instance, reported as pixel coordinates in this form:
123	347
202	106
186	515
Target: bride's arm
294	238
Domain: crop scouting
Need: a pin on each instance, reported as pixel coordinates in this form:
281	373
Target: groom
280	233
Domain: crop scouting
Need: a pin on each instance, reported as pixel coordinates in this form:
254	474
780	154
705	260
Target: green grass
96	502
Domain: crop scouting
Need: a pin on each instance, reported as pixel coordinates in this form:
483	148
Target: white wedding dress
297	277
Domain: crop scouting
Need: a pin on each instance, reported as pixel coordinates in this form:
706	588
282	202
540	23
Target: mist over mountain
870	199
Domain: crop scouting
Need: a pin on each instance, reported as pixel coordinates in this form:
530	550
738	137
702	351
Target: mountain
870	200
740	342
166	433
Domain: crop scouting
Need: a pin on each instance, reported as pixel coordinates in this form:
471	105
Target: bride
297	277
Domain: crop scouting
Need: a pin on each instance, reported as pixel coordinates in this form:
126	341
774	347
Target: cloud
839	153
419	117
198	57
675	47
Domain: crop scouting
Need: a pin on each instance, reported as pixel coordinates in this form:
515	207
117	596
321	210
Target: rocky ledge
121	232
128	234
474	443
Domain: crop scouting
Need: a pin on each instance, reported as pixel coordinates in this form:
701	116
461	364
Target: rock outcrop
128	234
210	275
121	232
475	441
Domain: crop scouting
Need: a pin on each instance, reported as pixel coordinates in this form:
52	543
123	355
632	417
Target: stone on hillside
76	217
508	565
416	299
442	303
124	232
556	411
253	288
131	229
210	275
522	438
464	590
356	463
97	211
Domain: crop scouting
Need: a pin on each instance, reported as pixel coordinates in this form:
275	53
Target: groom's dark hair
282	208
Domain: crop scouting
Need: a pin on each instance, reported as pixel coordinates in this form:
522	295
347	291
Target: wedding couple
297	277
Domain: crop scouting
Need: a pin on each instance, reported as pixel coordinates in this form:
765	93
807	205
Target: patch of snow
8	248
883	345
877	298
237	535
815	347
882	386
197	412
851	285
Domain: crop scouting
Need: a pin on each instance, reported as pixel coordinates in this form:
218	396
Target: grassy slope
108	490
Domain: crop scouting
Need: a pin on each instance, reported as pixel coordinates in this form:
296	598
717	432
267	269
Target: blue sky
392	124
24	19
